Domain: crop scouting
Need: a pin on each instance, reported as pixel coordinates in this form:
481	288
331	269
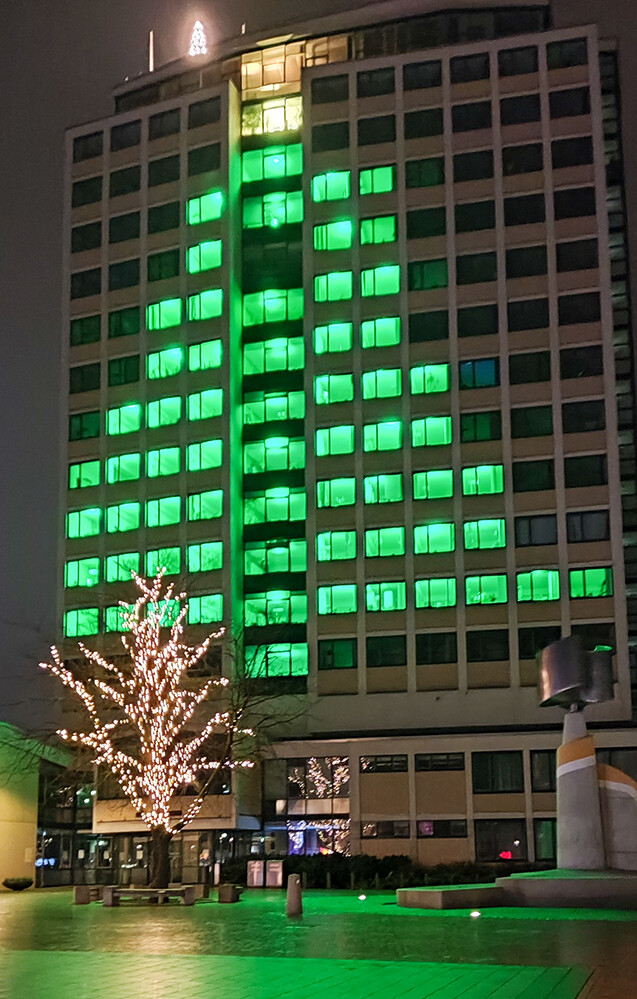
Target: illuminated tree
198	43
153	725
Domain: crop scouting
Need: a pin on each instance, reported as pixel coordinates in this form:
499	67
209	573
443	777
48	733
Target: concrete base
452	897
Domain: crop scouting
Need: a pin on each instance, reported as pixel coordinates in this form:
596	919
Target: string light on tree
198	43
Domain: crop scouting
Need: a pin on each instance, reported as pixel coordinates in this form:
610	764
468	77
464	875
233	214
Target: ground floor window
327	836
544	834
500	839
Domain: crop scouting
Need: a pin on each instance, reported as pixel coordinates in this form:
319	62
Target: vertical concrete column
580	842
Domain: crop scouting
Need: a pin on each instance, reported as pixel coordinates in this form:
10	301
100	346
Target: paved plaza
343	946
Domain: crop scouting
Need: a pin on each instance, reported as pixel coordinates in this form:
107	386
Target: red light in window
506	855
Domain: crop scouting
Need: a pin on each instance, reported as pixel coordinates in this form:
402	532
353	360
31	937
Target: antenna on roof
198	44
151	51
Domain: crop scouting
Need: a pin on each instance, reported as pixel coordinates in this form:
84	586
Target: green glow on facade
263	407
333	388
123	517
163	461
163	511
204	256
163	315
381	229
384	488
334	287
118	568
204	455
338	599
114	618
431	539
275	305
275	607
435	592
82	572
332	186
83	474
205	305
123	468
429	378
335	545
491	589
165	363
163	558
81	622
334	440
124	419
386	383
206	355
538	585
279	354
205	208
383	542
333	338
383	332
278	503
204	405
593	582
206	609
272	162
163	412
386	436
377	180
482	480
205	557
274	454
83	523
273	210
336	235
207	505
485	534
435	484
383	280
389	596
261	557
277	660
432	431
335	492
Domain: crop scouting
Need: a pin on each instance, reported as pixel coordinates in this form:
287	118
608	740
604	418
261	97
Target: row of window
159	364
199	456
127	516
492	772
164	412
205	609
202	557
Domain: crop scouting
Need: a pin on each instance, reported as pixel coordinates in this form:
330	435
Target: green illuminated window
83	523
286	659
435	592
333	338
165	363
381	229
273	454
81	622
274	209
431	539
205	557
162	315
335	545
123	468
331	186
275	504
206	505
163	558
485	534
164	511
205	208
275	607
338	599
124	419
383	488
280	354
262	407
383	280
386	436
377	180
386	383
333	287
83	474
334	235
390	596
335	492
202	356
276	305
204	256
205	305
118	568
272	162
432	431
333	388
383	332
168	611
204	455
82	572
383	542
482	480
114	618
162	461
538	584
275	556
205	609
204	405
334	440
429	378
122	517
435	484
163	412
595	582
490	589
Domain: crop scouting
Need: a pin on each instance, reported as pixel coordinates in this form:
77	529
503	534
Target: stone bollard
328	880
294	897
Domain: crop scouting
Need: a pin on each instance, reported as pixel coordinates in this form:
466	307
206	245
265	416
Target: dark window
126	135
433	762
203	159
572	52
434	647
531	476
203	112
543	777
487	646
87	147
478	320
423	222
468	117
532	421
476	267
524	209
164	217
526	261
86	237
581	362
580	417
379	129
84	378
498	773
124	322
124	274
533	640
515	62
500	839
545	839
337	653
473	166
574	202
124	181
568	103
595	633
386	650
86	192
389	829
327	89
163	265
85	283
480	427
532	367
536	530
441	828
518	110
163	171
375	82
425	173
522	159
422	124
572	152
583	308
465	69
624	759
84	425
85	330
123	227
328	137
577	255
423	275
426	326
123	370
165	123
421	75
383	764
482	372
588	525
474	216
528	314
585	470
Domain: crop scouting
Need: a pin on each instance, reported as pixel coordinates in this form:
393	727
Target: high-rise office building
349	346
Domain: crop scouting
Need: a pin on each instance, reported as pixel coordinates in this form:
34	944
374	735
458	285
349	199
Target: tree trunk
159	858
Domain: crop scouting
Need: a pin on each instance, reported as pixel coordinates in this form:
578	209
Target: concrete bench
113	894
85	894
230	893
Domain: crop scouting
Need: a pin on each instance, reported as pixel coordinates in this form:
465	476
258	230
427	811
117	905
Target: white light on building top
198	43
